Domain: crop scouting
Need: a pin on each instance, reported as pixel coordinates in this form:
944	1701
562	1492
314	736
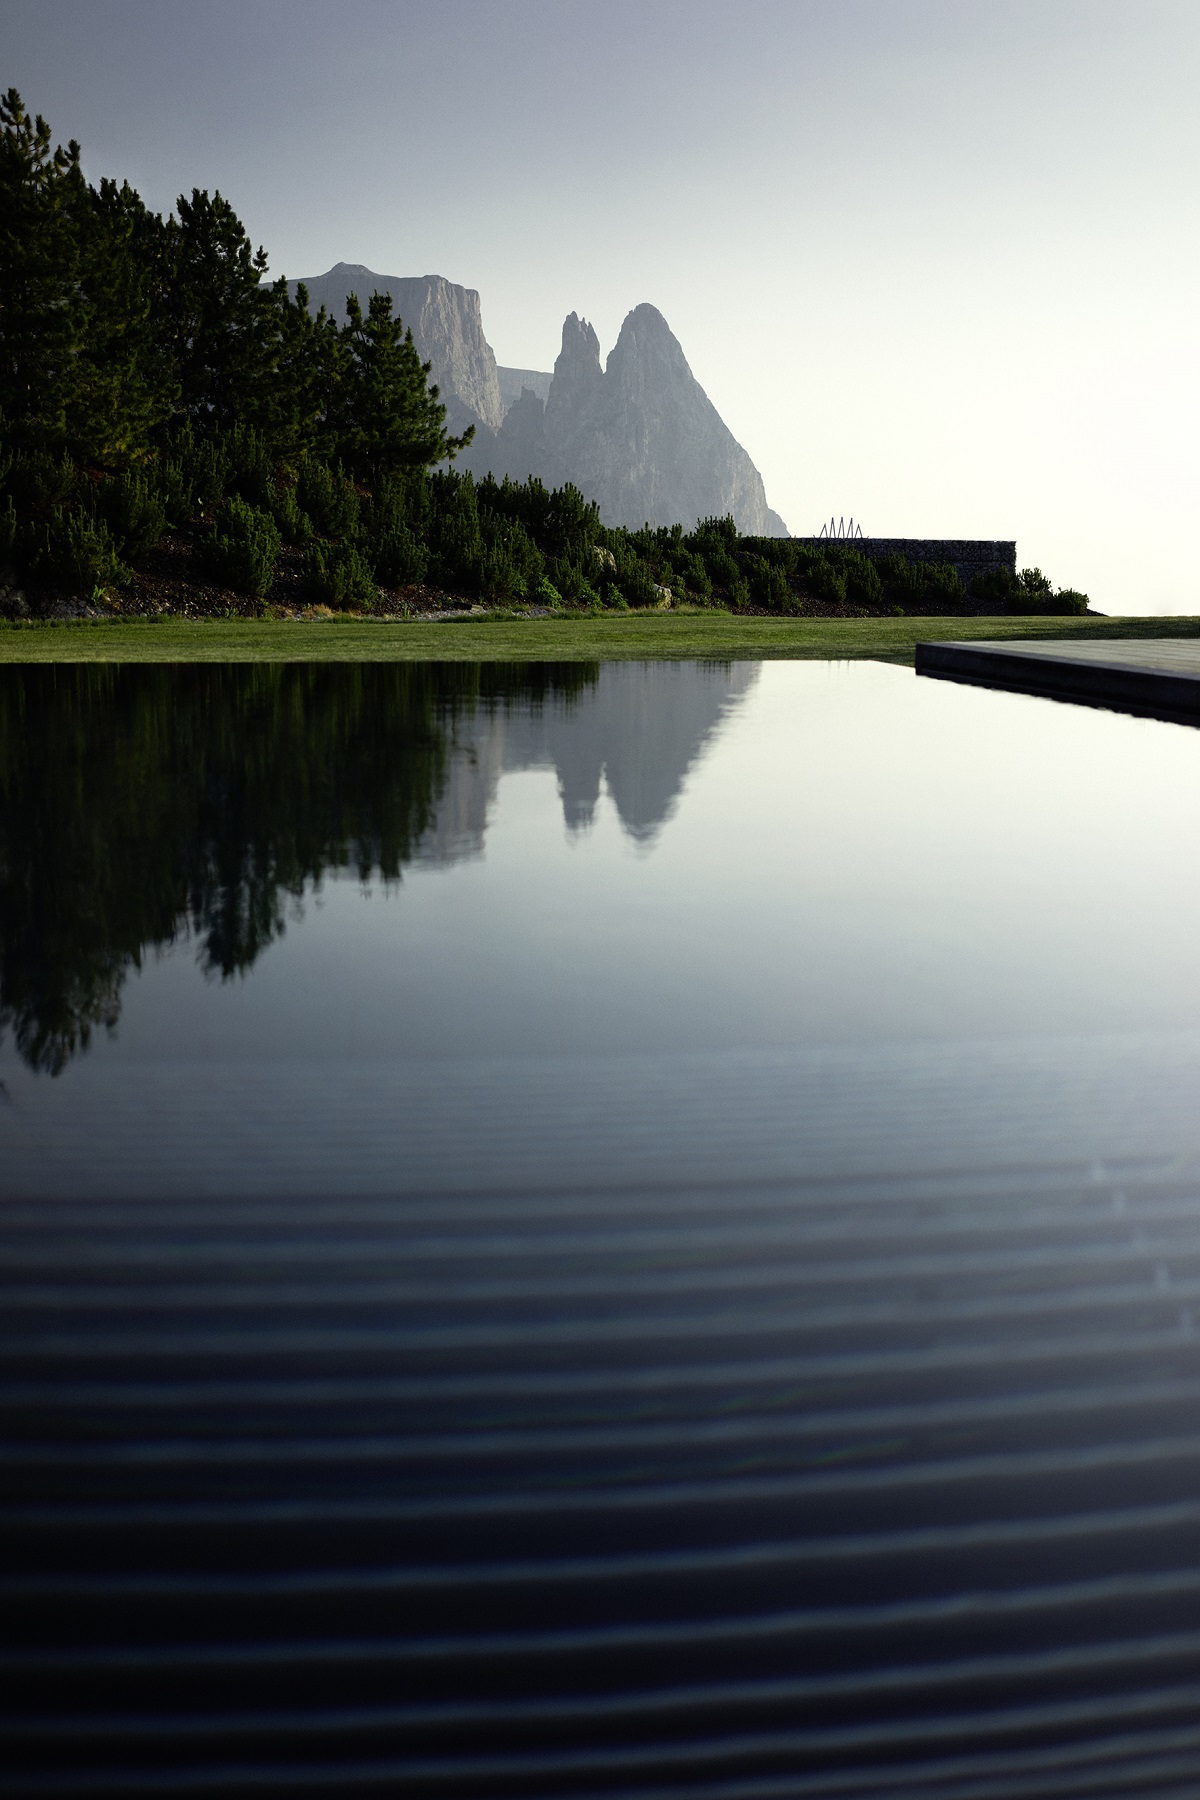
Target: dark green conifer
387	416
124	385
221	322
310	366
82	362
40	325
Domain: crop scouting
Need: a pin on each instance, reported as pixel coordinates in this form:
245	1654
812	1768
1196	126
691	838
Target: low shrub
637	586
327	497
941	587
1027	593
399	557
506	541
39	483
80	552
721	568
175	491
337	575
10	532
569	524
768	584
821	579
561	522
922	587
572	584
718	531
511	564
864	584
243	549
396	550
251	467
1030	593
694	577
205	468
500	580
134	512
991	588
295	526
456	544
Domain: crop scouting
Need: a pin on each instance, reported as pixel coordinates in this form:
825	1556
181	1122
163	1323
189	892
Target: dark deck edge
1147	693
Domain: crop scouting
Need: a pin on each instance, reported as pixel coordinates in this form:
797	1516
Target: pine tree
385	413
222	324
82	364
40	313
310	364
123	385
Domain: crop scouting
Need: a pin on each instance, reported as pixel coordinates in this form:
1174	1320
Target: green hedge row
78	530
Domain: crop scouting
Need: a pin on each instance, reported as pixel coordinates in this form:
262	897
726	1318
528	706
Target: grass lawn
641	636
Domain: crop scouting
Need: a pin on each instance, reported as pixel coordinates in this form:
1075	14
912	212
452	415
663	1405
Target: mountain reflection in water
717	1321
139	804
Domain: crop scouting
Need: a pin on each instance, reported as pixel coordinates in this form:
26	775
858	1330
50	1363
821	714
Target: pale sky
935	261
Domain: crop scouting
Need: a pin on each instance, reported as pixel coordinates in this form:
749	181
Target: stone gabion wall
970	556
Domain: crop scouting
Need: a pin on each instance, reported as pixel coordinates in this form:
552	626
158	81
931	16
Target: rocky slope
514	381
639	435
447	329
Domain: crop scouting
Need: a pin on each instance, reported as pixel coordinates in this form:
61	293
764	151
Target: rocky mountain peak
647	363
640	436
578	376
447	328
646	332
354	272
580	345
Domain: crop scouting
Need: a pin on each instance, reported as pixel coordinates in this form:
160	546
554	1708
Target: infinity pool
596	1229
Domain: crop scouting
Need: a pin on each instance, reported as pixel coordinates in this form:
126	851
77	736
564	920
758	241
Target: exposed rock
524	451
639	436
447	329
575	408
513	382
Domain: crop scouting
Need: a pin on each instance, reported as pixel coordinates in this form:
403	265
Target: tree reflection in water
141	803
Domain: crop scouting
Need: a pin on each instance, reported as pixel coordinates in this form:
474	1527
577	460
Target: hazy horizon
934	263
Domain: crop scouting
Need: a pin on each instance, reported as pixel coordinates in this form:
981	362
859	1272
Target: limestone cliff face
522	451
639	436
513	382
672	456
447	329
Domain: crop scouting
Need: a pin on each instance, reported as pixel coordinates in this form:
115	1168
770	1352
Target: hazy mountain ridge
514	381
639	435
447	328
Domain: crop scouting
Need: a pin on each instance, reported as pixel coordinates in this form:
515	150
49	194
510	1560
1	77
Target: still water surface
385	862
221	884
596	1230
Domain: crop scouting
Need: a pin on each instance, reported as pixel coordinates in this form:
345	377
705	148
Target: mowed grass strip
623	636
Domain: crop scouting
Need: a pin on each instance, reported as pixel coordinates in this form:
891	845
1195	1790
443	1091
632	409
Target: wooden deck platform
1156	678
